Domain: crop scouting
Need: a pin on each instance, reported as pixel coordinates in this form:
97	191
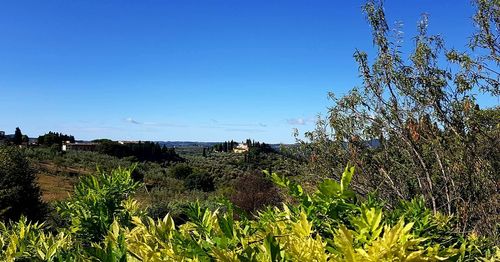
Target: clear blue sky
206	70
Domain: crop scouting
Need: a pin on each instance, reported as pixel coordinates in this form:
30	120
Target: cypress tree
18	136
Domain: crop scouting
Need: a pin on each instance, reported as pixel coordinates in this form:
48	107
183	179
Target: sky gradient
205	70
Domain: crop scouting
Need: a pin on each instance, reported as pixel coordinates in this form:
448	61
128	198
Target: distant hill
186	144
198	144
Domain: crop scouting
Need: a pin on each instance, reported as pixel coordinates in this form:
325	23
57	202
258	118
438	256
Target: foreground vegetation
101	222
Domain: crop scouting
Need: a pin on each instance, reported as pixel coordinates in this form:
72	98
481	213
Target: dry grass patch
55	187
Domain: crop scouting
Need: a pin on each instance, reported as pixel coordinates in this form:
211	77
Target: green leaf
226	226
346	178
296	190
330	188
272	247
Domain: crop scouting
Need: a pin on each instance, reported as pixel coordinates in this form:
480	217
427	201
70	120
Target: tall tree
432	137
18	136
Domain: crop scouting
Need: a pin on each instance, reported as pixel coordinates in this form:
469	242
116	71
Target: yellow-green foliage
24	240
396	244
219	237
286	238
329	225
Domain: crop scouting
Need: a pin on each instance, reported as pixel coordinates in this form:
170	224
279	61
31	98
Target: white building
79	147
241	148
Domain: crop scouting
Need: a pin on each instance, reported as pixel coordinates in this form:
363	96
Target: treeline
17	139
258	147
229	146
226	146
48	139
142	151
256	154
54	138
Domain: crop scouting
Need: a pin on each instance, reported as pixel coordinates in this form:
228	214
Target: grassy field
55	188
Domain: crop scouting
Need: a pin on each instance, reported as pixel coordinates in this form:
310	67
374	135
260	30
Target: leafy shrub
174	200
97	201
26	241
330	206
437	228
19	194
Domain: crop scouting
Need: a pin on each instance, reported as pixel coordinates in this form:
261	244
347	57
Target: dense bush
19	193
200	180
180	171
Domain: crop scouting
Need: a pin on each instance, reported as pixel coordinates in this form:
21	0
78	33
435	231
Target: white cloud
299	121
296	121
132	121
